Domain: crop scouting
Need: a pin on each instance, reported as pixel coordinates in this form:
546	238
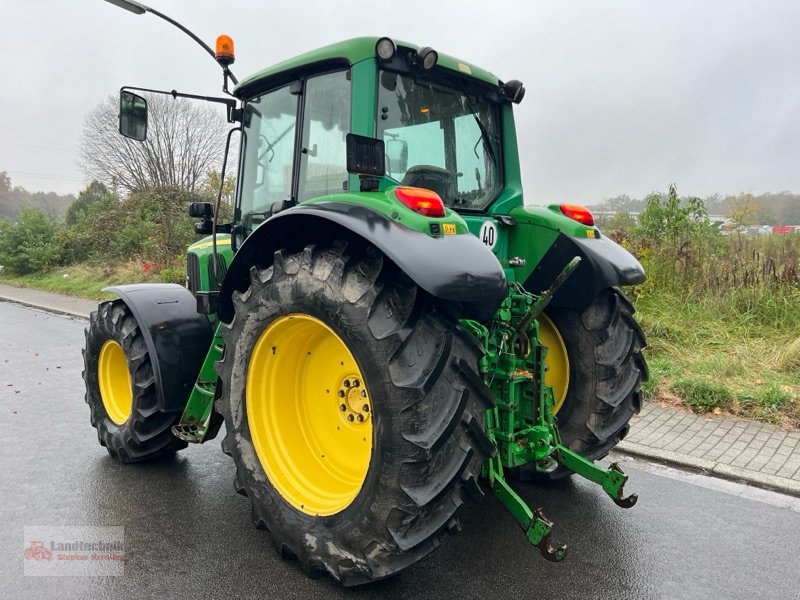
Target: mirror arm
234	114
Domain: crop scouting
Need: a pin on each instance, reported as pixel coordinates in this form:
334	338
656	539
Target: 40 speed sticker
488	234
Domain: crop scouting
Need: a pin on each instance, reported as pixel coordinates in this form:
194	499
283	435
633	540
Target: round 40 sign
488	234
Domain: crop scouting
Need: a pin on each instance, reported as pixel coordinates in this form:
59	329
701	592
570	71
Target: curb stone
709	467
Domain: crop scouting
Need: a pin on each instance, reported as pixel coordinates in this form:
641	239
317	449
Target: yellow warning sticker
208	244
449	228
591	233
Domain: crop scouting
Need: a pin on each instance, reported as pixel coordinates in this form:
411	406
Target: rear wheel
121	388
596	368
353	412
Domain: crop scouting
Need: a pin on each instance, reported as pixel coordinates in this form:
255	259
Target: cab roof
350	52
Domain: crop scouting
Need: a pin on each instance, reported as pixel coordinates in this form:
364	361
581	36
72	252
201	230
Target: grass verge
87	280
725	355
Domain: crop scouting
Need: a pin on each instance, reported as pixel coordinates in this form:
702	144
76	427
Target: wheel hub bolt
341	393
360	418
347	383
365	408
350	418
356	383
342	407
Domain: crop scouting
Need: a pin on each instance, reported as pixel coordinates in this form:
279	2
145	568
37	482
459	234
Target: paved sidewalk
736	449
741	450
56	303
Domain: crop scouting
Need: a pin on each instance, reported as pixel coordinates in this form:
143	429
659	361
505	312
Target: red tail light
578	213
425	202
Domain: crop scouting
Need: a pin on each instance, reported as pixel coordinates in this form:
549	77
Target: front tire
358	509
121	388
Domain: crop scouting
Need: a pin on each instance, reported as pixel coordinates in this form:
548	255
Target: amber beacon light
224	51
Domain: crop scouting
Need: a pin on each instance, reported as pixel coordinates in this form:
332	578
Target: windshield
441	139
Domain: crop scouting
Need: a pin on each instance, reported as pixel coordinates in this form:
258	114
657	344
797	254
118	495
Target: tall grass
721	312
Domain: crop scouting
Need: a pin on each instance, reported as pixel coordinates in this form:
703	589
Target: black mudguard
176	336
604	263
455	268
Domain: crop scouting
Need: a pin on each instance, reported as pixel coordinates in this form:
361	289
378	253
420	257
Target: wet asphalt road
187	534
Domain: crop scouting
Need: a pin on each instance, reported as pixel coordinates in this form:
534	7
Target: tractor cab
438	118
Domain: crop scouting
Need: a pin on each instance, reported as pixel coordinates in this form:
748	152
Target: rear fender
604	263
176	336
455	268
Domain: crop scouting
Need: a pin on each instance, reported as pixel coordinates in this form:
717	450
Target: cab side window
326	122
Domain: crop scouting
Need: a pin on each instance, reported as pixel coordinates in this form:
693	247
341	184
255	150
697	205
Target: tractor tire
602	345
360	490
121	388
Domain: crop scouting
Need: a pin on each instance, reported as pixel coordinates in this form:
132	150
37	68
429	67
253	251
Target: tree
91	195
742	210
667	218
185	140
211	188
679	233
617	204
14	198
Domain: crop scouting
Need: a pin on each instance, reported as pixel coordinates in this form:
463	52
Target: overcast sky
622	97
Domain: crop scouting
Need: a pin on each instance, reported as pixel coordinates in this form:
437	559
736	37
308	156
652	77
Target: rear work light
425	202
578	213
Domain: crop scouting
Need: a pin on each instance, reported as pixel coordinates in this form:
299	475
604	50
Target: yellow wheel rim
557	361
310	414
115	382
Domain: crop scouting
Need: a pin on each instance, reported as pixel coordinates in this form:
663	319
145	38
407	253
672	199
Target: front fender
455	268
176	336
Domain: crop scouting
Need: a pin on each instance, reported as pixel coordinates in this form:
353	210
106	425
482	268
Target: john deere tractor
385	329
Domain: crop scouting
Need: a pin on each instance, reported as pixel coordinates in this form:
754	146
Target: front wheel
121	388
353	412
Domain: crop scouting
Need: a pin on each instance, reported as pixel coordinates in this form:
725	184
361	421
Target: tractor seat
432	178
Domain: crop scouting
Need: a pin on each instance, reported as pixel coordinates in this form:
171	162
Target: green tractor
384	328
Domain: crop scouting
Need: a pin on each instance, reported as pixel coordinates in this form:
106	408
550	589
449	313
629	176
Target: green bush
29	245
150	225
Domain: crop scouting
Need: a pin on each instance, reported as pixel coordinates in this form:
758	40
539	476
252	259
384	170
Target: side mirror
132	116
396	156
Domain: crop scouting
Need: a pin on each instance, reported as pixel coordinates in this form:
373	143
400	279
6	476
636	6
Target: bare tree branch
185	141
